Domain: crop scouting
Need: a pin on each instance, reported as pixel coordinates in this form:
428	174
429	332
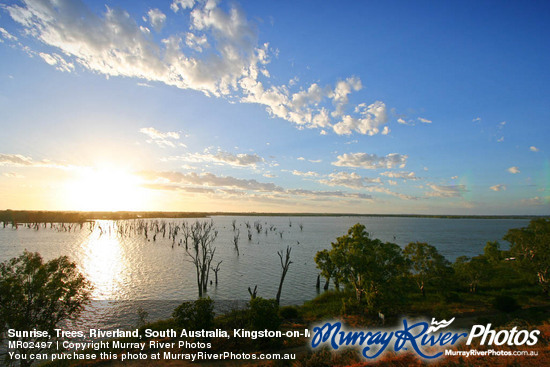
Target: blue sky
357	107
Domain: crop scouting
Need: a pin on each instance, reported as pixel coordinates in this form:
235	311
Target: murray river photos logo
426	340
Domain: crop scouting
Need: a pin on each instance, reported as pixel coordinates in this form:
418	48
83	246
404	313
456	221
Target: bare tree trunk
285	265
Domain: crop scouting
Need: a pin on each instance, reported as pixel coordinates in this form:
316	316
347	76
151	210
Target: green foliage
531	246
195	315
38	295
505	303
427	265
472	271
492	252
264	314
368	265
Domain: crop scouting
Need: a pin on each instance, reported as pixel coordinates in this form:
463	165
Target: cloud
426	121
498	187
372	117
156	19
305	174
441	191
18	160
181	4
346	179
13	175
533	149
218	55
401	121
537	200
220	157
57	61
161	139
371	161
513	170
211	183
477	119
402	175
7	35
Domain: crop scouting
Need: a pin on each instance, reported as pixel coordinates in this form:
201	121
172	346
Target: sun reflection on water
104	261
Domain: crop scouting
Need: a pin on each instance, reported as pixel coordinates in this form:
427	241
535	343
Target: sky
397	107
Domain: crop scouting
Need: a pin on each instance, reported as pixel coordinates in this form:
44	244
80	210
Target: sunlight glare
105	189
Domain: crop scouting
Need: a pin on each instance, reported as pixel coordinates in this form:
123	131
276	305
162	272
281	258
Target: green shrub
195	315
264	314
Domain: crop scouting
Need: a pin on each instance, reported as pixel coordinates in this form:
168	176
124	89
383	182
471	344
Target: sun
105	188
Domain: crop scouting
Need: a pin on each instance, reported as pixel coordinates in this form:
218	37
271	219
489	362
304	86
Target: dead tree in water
236	241
253	292
201	251
285	264
216	269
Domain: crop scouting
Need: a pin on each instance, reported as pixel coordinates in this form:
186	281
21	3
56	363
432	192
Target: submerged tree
427	264
37	296
202	235
531	246
285	264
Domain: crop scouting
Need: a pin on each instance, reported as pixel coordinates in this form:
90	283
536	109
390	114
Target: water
128	272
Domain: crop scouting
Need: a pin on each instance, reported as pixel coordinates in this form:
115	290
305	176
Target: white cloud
18	160
346	179
498	187
57	61
7	35
537	200
15	160
237	160
454	177
426	121
402	175
372	117
513	170
156	19
305	174
210	183
181	4
371	161
160	138
401	121
533	149
477	119
219	55
13	175
442	191
392	182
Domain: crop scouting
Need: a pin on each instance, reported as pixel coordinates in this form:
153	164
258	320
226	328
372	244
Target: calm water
127	269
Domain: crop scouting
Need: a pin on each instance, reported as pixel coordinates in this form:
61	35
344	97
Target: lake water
130	271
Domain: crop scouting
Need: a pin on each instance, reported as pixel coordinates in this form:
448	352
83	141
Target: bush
288	312
264	314
195	315
505	303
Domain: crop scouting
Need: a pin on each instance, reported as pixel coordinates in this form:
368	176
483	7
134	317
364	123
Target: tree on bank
531	246
427	264
37	295
369	266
